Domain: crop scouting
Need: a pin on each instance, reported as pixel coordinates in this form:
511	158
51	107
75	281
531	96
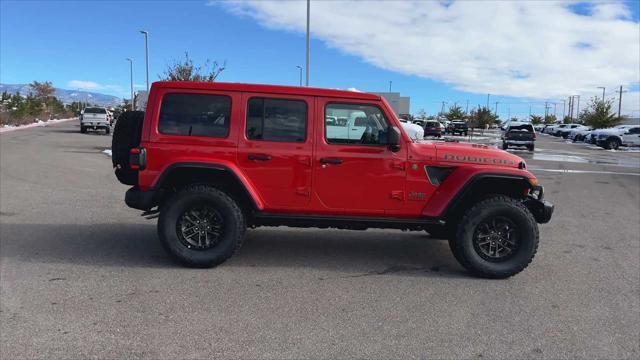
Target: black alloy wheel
496	239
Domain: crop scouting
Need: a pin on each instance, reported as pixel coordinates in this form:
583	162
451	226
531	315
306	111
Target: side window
634	130
362	124
276	120
195	115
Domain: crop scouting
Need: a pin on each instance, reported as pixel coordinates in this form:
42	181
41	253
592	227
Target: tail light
138	158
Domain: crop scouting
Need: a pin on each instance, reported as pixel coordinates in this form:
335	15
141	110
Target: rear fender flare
257	202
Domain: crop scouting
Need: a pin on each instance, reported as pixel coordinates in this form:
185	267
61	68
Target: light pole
603	88
308	27
146	54
300	70
390	85
488	100
620	102
496	110
130	60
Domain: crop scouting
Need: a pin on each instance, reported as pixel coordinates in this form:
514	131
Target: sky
523	53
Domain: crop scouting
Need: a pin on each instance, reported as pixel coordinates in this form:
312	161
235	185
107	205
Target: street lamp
308	39
602	87
130	60
146	53
300	68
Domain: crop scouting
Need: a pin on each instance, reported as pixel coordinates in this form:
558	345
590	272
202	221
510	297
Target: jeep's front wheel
201	226
496	238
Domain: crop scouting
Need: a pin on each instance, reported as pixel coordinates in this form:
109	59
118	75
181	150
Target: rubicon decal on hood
478	160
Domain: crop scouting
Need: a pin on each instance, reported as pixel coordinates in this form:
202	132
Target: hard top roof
260	88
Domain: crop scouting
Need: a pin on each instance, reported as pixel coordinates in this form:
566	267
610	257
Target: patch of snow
36	123
107	151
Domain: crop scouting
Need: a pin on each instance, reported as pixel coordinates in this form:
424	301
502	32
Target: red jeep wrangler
215	158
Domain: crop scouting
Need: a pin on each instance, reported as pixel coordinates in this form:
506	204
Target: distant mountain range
67	96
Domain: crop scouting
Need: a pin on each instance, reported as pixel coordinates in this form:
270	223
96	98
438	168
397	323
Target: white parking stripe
583	171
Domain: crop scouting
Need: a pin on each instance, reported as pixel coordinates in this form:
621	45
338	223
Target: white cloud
94	86
532	49
85	85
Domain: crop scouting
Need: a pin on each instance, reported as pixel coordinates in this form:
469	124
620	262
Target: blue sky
86	43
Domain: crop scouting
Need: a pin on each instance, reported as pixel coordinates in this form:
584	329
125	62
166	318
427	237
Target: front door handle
259	157
333	161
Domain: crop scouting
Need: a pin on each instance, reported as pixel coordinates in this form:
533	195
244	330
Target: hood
476	154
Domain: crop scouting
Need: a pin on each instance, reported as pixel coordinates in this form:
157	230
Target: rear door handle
333	161
259	157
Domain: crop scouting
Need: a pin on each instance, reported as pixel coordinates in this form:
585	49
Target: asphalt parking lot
83	276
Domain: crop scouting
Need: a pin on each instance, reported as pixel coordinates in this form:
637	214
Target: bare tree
44	91
186	71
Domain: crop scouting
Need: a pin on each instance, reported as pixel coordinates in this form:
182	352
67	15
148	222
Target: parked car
458	127
415	131
420	122
613	138
589	138
579	133
564	131
95	118
539	127
548	129
213	159
433	128
519	134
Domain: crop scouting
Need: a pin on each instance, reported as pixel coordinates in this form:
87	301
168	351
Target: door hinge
304	191
397	194
398	165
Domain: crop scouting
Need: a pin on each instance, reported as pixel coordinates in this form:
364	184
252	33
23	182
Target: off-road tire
465	252
232	237
126	136
83	130
505	146
530	147
107	130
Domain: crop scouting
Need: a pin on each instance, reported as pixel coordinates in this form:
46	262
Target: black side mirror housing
393	139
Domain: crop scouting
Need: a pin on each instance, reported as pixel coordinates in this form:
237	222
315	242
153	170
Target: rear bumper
541	209
141	200
95	124
519	142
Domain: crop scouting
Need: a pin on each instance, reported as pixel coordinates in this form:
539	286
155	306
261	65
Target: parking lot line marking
583	171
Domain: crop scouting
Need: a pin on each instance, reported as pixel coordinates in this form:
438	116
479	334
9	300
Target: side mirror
393	139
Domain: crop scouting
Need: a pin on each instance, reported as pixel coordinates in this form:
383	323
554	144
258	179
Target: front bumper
541	209
141	200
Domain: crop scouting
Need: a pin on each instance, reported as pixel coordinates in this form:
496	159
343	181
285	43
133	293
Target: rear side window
276	120
195	115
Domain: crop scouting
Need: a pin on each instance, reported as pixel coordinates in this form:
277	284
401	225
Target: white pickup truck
352	128
95	118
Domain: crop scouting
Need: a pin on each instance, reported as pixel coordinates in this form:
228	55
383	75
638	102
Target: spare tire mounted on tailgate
126	136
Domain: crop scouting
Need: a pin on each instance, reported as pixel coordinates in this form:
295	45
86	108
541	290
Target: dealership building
399	104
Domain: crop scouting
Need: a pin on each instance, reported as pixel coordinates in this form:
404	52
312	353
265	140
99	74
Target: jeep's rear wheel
201	226
496	238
